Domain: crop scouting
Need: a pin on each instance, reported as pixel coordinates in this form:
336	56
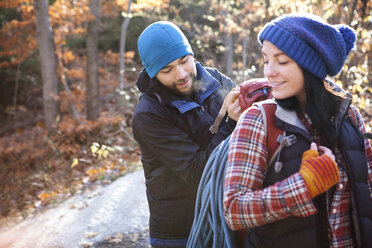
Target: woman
321	196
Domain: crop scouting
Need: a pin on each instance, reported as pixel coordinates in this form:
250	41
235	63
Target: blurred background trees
69	66
222	32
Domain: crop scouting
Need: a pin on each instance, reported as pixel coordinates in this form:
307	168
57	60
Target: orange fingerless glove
319	172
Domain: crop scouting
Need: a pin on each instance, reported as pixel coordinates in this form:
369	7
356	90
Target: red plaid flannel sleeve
246	203
367	145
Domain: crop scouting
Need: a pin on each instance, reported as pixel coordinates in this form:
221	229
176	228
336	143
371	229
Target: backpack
251	91
258	92
209	228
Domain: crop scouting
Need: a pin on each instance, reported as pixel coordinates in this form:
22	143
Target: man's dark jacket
175	142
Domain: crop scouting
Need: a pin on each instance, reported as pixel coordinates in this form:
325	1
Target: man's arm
172	147
231	107
231	102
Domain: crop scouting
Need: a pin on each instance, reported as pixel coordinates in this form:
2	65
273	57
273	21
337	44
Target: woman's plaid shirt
248	205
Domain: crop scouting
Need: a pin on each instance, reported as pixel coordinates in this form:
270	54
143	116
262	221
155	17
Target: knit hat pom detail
349	37
312	43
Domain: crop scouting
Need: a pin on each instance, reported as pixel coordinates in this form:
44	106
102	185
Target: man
179	102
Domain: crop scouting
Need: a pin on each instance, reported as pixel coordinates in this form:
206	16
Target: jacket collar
291	117
204	85
344	106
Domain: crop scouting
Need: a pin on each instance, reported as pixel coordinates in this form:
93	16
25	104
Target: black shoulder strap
151	94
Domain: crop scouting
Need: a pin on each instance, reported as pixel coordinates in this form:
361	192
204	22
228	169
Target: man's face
179	75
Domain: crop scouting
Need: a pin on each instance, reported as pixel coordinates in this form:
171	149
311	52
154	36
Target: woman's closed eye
283	62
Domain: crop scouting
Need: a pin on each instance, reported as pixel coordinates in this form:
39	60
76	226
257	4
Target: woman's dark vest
312	231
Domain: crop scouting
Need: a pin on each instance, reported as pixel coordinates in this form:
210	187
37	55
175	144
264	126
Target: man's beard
190	91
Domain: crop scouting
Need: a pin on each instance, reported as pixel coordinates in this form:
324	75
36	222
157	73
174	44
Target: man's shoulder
213	72
150	106
224	80
147	102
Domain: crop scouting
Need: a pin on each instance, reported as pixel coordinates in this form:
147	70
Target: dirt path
112	216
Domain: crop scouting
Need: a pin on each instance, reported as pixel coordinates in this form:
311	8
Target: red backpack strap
354	118
272	132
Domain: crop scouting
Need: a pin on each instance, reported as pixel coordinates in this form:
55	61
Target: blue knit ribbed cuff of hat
167	56
297	50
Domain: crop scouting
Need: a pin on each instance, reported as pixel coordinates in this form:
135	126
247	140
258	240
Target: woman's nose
270	70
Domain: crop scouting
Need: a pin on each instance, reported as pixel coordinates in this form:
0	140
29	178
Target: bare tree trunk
229	54
16	89
244	55
123	35
93	111
75	113
48	61
352	11
267	14
369	63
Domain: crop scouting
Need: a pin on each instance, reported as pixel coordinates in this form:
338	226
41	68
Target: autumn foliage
37	168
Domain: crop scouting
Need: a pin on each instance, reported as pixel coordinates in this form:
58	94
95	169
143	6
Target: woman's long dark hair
322	106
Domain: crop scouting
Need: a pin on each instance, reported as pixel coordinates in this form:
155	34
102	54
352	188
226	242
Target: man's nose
180	73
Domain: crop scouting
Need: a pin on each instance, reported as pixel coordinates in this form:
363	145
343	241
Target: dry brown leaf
86	245
114	239
91	235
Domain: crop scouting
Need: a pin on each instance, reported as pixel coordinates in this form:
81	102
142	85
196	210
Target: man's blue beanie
160	44
312	43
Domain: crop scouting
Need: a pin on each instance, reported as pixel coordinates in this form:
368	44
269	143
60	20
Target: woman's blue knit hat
312	43
160	44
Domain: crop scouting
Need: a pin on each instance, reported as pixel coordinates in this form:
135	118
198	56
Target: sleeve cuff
230	123
297	197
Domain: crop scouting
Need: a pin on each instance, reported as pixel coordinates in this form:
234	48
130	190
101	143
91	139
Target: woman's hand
319	171
322	150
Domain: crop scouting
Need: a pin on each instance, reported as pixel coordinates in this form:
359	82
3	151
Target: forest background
68	70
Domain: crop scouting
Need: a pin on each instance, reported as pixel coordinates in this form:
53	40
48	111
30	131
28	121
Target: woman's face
283	73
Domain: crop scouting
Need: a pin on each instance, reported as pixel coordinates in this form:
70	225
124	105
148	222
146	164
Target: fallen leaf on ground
91	235
79	205
86	245
114	239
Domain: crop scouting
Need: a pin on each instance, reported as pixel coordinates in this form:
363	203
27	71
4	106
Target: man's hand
231	103
231	106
